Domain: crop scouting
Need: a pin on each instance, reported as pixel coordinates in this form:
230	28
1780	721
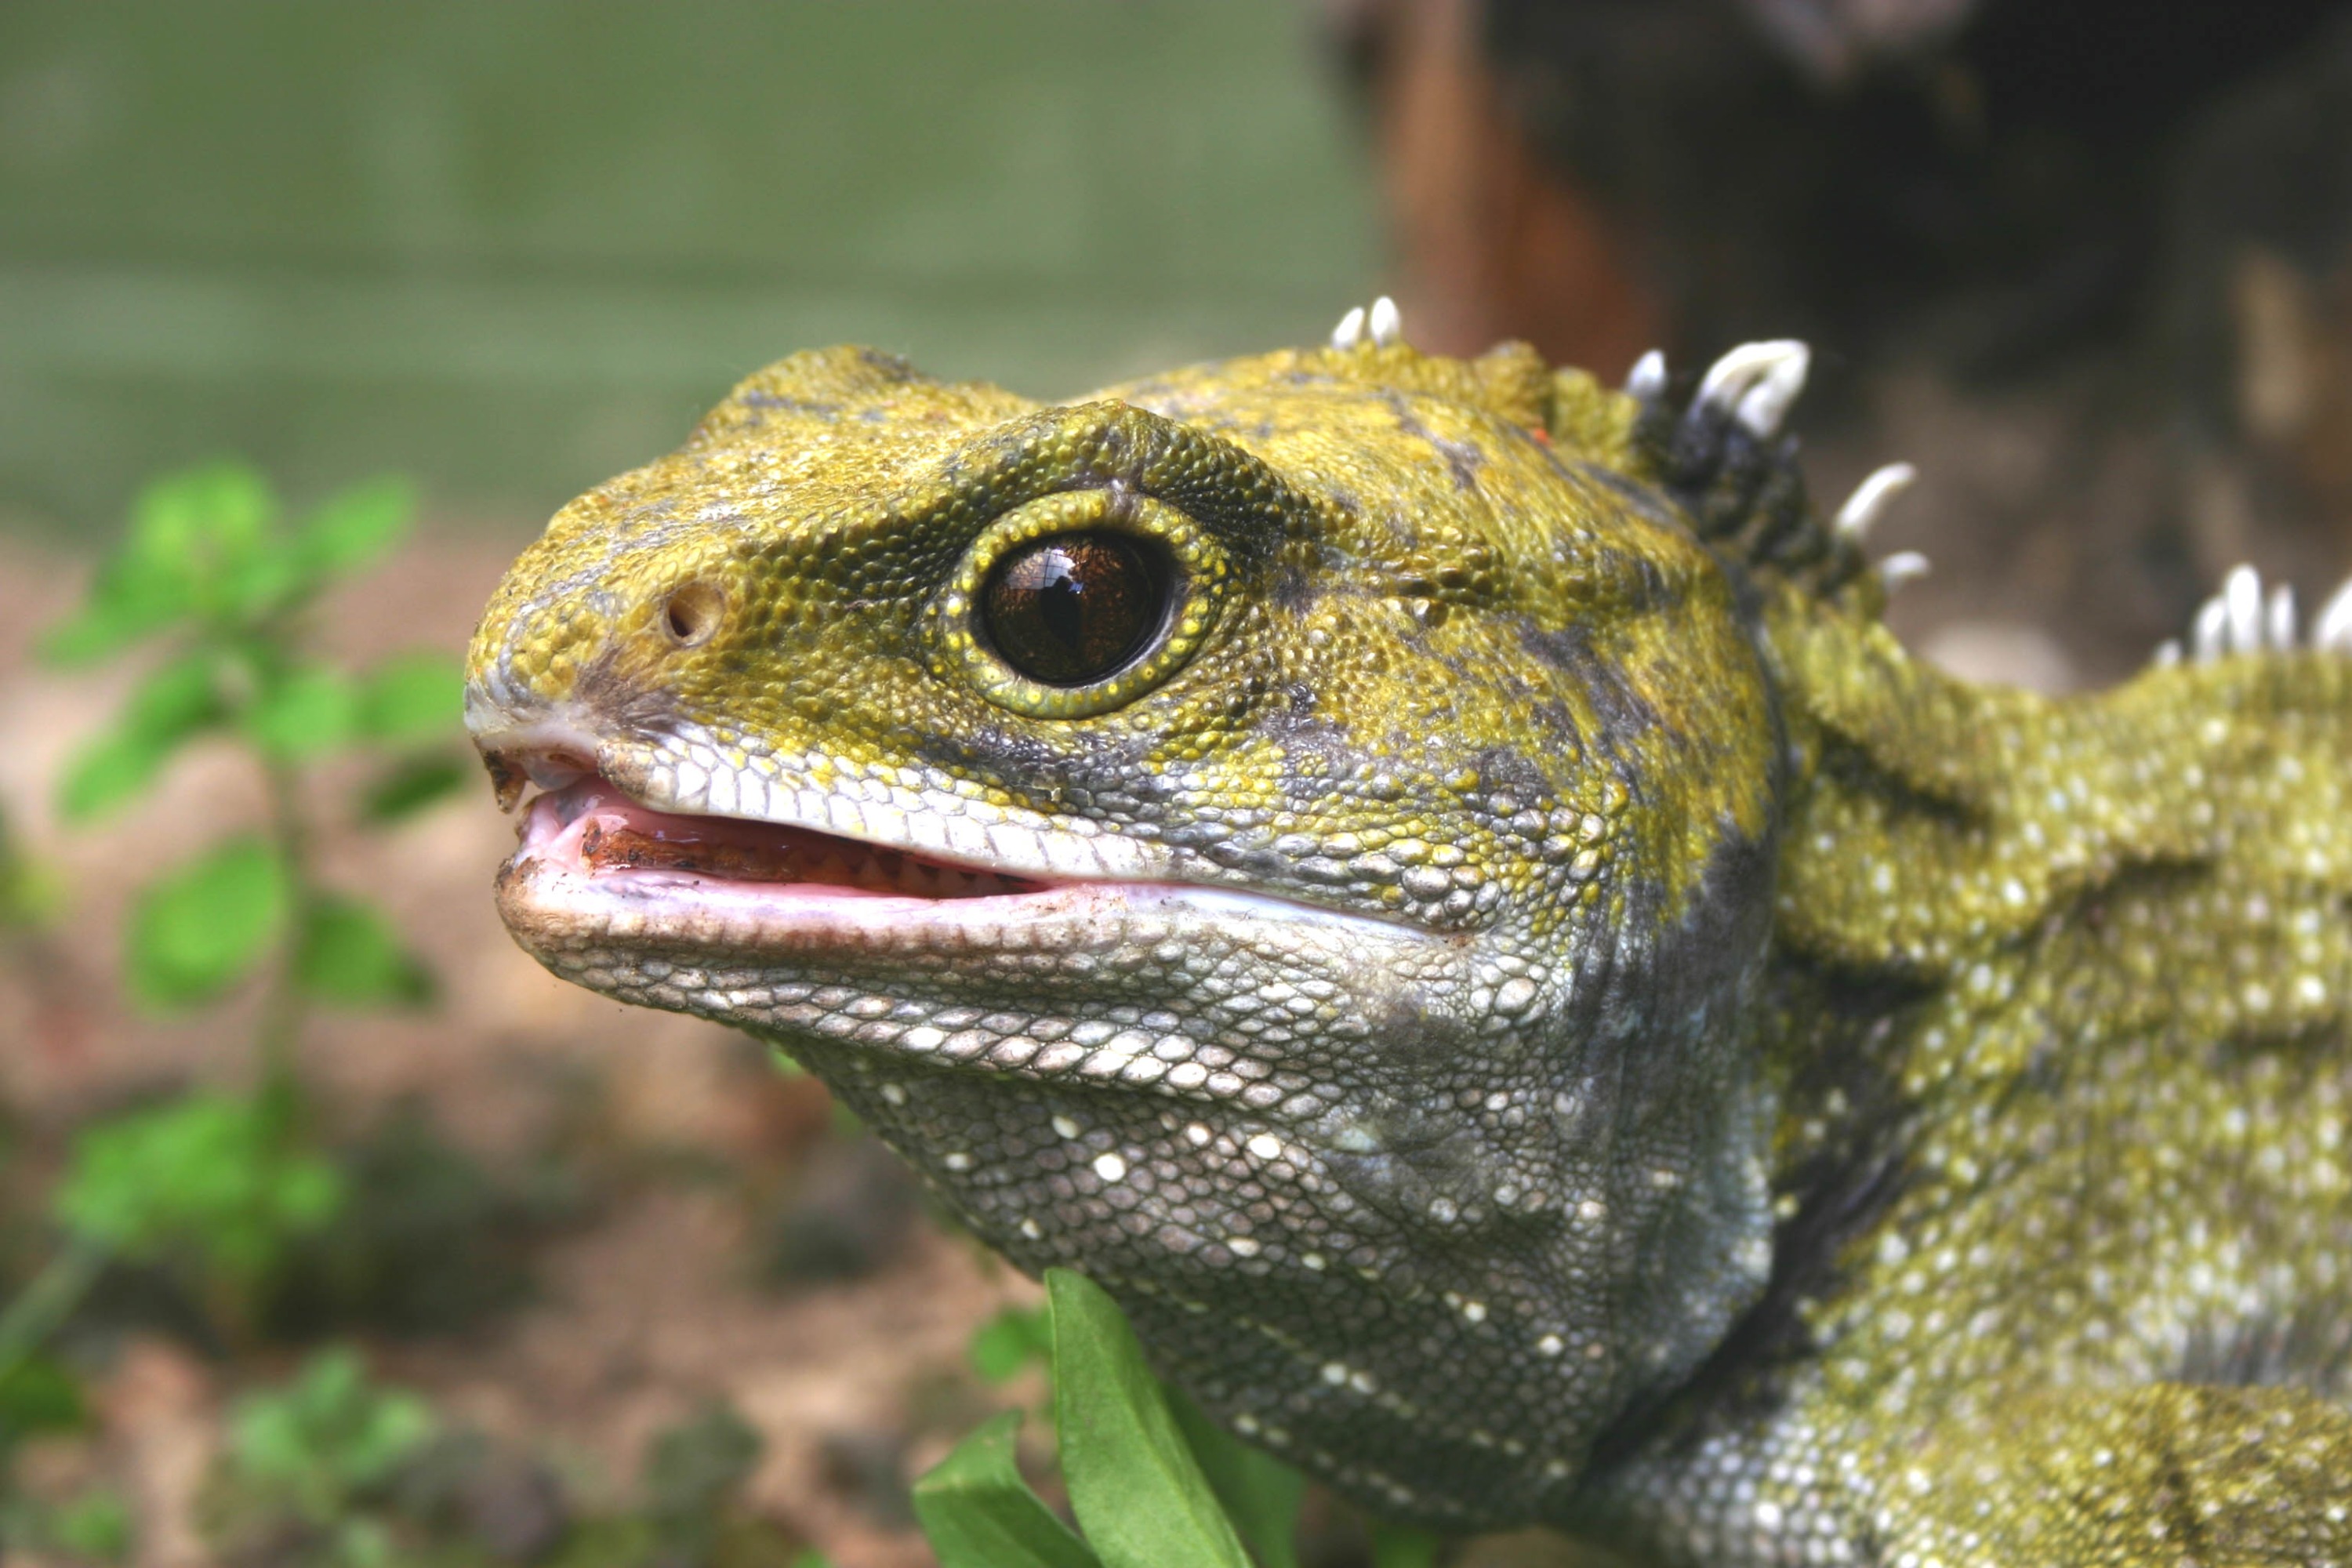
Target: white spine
2241	591
2209	638
2278	619
1647	379
1756	382
2332	630
1901	567
1862	508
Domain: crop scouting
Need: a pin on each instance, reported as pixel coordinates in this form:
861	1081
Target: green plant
217	587
1154	1483
211	577
309	1467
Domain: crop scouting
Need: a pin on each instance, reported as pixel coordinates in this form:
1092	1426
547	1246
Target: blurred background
330	1229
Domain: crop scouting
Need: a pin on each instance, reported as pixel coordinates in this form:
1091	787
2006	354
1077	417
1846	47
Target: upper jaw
692	770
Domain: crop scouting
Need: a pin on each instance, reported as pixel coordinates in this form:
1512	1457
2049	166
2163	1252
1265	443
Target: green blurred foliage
211	568
211	1172
1016	1338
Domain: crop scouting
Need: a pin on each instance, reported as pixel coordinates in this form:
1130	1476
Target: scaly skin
1536	1004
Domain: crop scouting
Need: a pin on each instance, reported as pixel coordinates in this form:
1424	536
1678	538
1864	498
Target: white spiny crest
1386	323
2332	630
1862	508
1647	379
1901	567
1351	330
1757	382
2243	619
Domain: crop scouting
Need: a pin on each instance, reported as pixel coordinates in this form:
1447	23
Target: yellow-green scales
1577	1024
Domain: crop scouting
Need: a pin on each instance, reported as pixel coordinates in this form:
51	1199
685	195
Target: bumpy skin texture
1541	1010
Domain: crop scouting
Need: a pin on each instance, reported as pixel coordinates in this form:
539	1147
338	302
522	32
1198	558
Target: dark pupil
1070	609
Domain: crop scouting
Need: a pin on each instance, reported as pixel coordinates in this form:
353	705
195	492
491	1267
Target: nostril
692	611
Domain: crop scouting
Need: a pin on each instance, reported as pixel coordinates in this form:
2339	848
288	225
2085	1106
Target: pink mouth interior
591	828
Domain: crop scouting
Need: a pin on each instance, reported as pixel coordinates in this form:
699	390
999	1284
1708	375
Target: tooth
1902	567
1647	379
1776	370
1351	330
2167	655
1386	323
1869	499
2280	619
2334	626
2207	638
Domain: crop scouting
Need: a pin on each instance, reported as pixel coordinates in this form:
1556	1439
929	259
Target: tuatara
1430	881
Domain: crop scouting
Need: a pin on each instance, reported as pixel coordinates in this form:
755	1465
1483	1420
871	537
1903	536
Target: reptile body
1430	881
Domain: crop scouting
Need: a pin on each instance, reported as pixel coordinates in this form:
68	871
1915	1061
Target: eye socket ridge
1079	602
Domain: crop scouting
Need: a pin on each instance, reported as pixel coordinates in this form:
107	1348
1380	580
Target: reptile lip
589	828
595	866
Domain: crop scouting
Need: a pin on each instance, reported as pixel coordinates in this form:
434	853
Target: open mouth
590	829
596	867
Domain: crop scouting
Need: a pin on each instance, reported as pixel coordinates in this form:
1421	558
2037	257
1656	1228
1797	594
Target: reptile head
1284	839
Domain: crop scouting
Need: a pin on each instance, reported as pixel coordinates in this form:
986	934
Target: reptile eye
1074	608
1078	603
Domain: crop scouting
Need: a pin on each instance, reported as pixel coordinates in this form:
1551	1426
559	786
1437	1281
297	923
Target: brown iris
1071	608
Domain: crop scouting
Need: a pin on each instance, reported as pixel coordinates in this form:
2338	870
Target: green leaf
415	698
308	711
202	519
130	599
204	927
977	1512
174	703
207	1170
1138	1491
269	580
410	785
38	1396
1260	1493
351	955
1010	1341
358	526
327	1433
189	534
